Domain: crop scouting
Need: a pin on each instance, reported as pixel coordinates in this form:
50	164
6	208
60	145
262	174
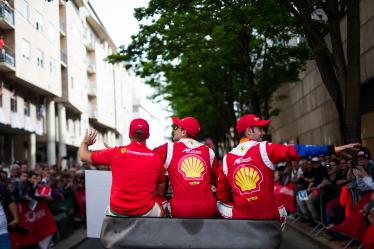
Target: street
291	240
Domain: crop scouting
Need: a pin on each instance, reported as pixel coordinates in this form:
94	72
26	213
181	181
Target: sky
118	19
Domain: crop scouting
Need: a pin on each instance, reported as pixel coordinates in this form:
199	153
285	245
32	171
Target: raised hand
344	148
90	137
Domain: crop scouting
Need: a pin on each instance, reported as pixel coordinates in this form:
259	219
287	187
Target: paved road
291	240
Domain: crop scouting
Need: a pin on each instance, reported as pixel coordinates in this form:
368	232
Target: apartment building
55	82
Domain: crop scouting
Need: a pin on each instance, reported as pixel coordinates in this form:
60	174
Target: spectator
363	170
330	193
368	241
342	174
2	47
6	202
25	188
318	174
303	182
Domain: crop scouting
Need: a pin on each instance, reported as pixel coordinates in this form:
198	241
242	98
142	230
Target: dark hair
190	136
138	139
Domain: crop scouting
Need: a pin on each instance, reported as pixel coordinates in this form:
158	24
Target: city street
291	240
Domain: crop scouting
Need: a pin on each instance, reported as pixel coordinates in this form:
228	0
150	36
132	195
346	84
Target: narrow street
292	239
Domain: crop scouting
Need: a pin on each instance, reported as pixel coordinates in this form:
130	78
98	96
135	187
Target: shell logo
247	179
192	167
123	150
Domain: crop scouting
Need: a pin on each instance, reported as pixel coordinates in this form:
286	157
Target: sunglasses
178	127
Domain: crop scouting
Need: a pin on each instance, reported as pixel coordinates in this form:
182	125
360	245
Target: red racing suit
136	171
248	171
189	165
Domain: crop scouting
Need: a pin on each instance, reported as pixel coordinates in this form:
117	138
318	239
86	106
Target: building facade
308	115
55	82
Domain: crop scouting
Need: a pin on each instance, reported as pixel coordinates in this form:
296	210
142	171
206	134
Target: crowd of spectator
330	192
40	190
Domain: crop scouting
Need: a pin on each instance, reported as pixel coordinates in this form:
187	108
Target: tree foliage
215	60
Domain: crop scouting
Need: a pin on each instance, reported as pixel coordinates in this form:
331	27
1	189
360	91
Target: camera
353	163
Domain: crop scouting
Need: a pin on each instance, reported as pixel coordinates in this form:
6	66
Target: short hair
138	139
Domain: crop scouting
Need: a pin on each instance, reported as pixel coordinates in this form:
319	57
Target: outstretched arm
88	139
279	152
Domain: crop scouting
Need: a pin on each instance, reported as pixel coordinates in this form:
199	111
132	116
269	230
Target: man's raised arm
88	139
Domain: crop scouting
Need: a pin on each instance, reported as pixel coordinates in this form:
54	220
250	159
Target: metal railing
62	27
7	56
7	13
63	57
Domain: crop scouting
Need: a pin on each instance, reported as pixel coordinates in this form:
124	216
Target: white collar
190	143
242	148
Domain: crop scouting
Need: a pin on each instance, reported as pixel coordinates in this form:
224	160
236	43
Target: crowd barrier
354	226
63	214
44	219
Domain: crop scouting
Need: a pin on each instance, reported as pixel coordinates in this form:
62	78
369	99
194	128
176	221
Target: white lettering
191	151
242	160
139	153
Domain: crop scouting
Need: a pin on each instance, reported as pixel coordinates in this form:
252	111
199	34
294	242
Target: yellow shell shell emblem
123	150
192	167
246	178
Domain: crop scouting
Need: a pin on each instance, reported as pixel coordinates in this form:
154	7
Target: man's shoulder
243	148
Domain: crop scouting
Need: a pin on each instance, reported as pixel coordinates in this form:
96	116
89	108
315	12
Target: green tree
215	60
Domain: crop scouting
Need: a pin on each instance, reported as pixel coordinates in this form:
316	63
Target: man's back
251	180
189	165
135	172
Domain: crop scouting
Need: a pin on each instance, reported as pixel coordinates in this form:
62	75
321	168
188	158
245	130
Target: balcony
6	16
7	60
63	58
89	42
91	88
91	68
92	111
62	29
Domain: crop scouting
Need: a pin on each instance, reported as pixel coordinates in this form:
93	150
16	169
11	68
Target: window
40	112
24	9
27	109
13	104
52	66
25	49
40	58
38	21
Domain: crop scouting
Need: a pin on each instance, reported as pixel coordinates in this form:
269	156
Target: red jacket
248	171
136	171
189	165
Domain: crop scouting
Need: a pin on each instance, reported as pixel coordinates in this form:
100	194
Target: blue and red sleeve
281	152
